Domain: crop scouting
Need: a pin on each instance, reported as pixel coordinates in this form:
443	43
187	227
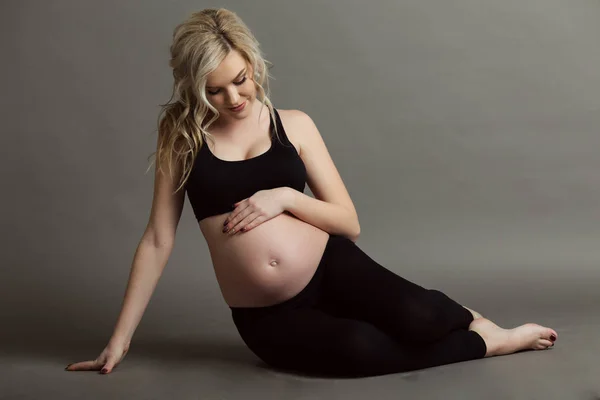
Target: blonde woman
303	296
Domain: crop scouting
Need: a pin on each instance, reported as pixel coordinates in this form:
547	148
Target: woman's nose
233	97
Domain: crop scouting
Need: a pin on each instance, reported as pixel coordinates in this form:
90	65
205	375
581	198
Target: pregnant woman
303	296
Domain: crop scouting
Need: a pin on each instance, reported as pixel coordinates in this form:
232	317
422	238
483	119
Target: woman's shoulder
292	121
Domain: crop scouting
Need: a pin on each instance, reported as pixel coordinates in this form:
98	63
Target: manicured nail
104	370
225	222
552	337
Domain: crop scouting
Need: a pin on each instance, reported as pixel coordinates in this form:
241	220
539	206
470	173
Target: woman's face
231	85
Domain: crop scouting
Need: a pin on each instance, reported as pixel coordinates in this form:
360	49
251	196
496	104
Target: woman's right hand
110	358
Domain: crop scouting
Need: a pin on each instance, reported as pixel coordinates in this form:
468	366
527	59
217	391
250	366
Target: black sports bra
215	185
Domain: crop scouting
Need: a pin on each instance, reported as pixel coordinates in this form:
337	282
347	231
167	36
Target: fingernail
552	337
225	222
67	367
104	370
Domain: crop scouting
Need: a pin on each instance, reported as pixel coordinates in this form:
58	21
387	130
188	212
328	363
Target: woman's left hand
256	209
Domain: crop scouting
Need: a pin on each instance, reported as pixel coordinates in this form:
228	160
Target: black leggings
356	318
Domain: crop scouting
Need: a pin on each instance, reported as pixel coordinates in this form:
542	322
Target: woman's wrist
120	340
289	197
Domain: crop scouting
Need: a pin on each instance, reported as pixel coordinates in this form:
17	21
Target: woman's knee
363	350
356	351
425	321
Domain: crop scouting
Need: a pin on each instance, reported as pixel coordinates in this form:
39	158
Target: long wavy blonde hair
199	45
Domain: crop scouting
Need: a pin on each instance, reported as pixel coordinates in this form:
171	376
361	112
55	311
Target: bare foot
500	341
475	313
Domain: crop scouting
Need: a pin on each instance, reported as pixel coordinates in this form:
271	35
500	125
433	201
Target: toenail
552	337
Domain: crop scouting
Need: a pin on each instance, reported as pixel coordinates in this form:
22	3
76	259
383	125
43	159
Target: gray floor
223	368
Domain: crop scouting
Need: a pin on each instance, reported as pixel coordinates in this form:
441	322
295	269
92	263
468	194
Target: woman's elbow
355	236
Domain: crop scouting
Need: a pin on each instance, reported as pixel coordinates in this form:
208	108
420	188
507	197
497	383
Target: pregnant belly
266	265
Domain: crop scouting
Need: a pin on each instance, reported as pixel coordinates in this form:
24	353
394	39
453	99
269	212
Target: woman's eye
235	83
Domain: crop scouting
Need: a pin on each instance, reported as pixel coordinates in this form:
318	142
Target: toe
546	343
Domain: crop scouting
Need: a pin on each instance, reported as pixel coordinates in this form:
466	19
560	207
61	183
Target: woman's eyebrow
237	76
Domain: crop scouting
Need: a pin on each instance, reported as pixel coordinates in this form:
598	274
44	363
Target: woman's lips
239	108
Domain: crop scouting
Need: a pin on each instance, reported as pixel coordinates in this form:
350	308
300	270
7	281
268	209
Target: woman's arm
148	265
150	259
153	250
332	209
332	218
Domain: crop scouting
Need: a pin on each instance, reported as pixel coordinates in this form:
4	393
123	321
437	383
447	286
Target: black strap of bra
280	130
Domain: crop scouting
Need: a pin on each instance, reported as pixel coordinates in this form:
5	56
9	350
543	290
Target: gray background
465	131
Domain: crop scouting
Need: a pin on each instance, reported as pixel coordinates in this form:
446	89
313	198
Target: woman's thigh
356	286
311	341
